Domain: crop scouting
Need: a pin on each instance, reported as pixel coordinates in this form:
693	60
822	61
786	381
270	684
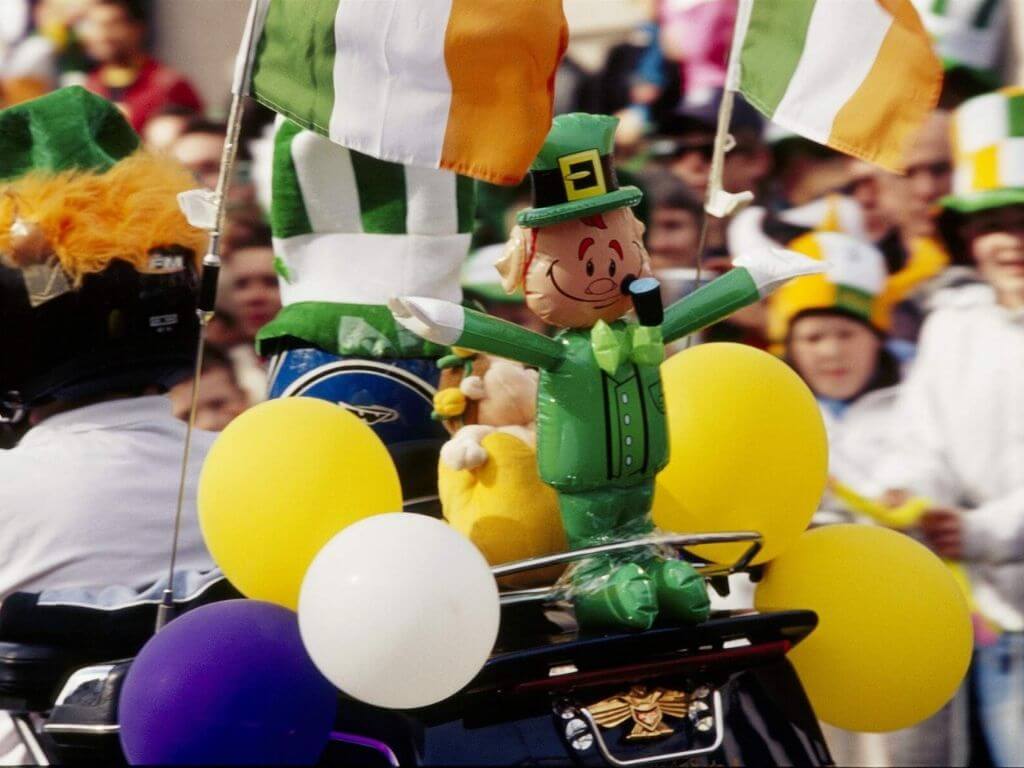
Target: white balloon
399	610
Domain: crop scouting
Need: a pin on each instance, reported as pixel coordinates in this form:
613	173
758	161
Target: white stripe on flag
432	204
841	45
988	121
328	183
390	79
371	269
360	72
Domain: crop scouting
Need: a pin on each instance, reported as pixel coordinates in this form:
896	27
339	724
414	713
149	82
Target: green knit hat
574	174
69	129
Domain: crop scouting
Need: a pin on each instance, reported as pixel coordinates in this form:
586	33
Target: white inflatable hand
770	267
432	319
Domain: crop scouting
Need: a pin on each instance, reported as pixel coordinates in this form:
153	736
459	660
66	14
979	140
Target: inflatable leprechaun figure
601	428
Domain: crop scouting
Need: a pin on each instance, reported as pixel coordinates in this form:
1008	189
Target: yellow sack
504	508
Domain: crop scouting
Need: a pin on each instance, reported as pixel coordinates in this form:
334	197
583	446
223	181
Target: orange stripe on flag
901	89
500	56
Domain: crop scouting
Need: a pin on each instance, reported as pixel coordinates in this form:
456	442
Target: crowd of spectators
950	285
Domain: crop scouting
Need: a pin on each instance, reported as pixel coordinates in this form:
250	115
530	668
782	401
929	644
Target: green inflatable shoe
626	597
682	593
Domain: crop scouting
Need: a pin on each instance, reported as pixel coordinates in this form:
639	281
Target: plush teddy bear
482	396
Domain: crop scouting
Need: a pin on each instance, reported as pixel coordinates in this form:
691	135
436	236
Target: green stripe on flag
465	199
939	7
288	216
771	50
293	73
1015	113
382	197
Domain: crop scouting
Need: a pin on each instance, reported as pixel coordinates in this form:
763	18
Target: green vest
596	430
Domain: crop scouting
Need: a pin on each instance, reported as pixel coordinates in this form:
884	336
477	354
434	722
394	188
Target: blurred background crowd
659	65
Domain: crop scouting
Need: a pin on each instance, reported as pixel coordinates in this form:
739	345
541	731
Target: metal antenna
208	283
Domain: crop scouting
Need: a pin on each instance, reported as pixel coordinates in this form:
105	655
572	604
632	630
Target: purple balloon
227	683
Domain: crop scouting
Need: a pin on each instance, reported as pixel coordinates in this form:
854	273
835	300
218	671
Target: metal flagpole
210	275
718	202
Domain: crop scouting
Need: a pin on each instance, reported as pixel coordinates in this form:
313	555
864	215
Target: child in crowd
961	418
832	328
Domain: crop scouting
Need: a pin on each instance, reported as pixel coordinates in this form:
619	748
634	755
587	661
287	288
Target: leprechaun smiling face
575	269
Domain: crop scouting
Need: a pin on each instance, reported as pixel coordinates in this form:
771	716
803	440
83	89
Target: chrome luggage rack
676	541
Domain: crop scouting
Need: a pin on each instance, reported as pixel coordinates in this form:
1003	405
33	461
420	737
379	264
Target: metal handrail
674	540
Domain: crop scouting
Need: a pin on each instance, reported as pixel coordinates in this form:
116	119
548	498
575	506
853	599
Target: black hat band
579	177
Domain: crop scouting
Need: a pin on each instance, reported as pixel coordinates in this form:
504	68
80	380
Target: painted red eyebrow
585	243
614	245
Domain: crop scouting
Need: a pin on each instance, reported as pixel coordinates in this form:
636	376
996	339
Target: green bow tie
641	344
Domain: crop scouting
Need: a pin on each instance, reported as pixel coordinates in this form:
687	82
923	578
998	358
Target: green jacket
596	430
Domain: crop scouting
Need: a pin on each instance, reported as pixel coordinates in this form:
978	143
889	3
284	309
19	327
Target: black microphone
645	293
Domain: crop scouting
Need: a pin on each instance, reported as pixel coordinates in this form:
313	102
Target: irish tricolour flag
463	85
857	75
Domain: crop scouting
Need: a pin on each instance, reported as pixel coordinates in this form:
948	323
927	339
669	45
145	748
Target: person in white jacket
97	320
960	416
832	328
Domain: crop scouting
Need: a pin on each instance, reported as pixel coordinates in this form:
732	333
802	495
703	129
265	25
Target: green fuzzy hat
69	129
574	174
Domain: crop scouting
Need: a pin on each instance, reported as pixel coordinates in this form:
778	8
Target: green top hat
69	129
574	174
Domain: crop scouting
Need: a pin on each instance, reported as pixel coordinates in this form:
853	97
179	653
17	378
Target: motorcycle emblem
647	708
371	414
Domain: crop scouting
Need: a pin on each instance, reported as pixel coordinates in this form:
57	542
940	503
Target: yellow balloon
280	481
894	633
748	449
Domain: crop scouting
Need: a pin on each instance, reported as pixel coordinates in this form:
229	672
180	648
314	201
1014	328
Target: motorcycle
719	693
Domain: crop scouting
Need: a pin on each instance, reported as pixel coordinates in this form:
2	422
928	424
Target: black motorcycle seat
31	675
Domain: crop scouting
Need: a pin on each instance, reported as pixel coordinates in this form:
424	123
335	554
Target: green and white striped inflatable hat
350	233
351	229
965	32
988	146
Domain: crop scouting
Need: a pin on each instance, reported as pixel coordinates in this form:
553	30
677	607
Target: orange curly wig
88	219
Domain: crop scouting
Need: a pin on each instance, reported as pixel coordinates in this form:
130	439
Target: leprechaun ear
510	265
640	226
